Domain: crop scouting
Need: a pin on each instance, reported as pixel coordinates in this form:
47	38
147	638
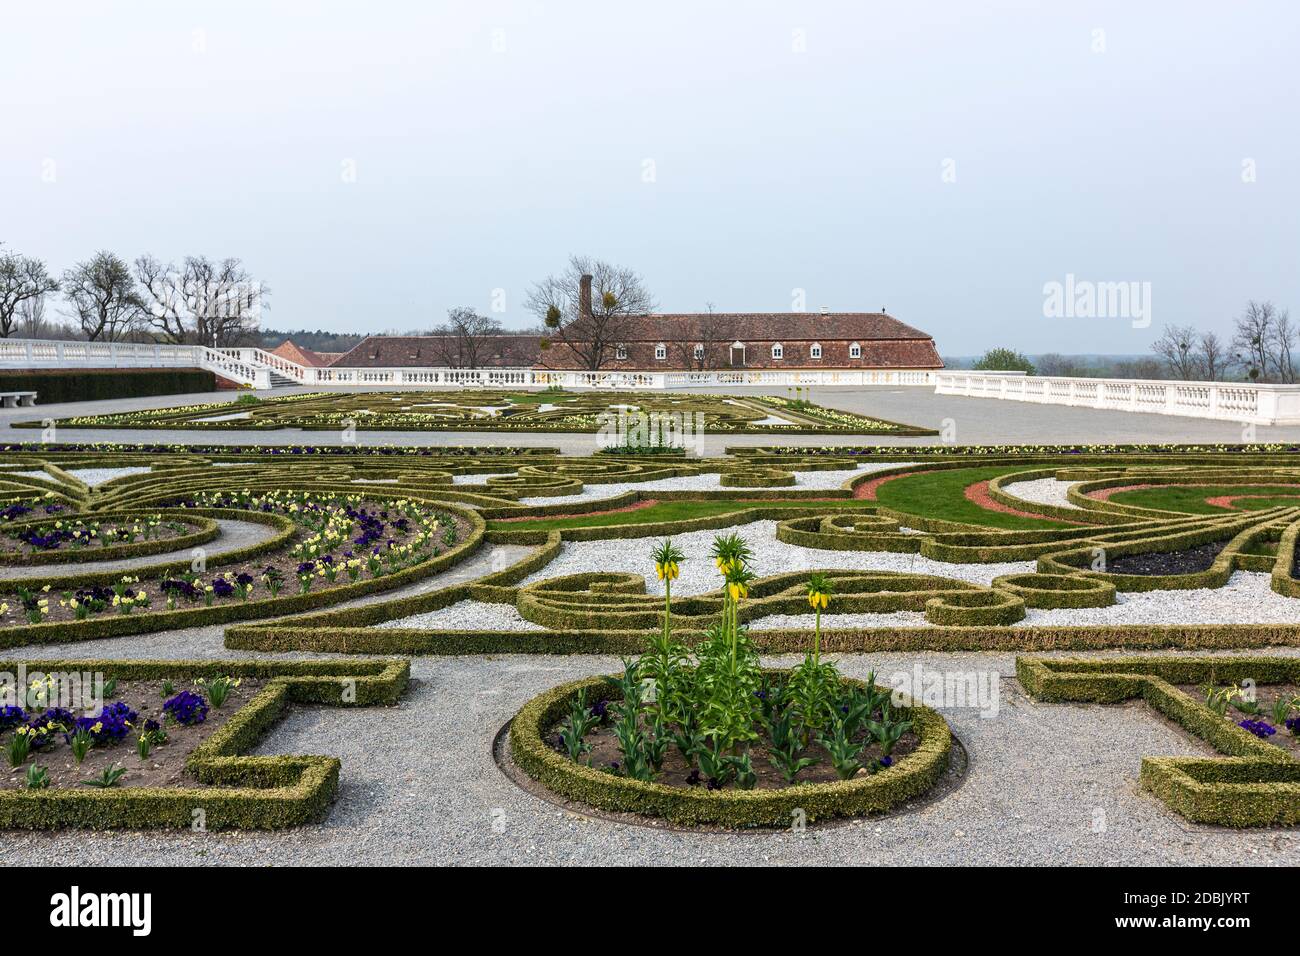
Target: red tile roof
884	342
303	356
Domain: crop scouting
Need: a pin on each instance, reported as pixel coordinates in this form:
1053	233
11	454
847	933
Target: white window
699	351
620	352
855	350
816	350
778	351
661	351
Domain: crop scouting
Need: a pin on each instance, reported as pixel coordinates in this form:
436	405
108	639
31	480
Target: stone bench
16	399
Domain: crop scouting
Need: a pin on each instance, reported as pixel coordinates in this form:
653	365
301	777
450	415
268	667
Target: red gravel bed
978	494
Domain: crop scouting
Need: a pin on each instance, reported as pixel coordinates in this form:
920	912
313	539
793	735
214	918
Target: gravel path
1245	599
1043	491
804	481
1039	776
468	616
698	575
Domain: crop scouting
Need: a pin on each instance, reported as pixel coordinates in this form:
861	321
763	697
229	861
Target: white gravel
698	575
479	479
1043	491
468	616
1245	599
97	476
804	480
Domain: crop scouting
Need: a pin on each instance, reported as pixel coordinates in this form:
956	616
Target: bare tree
464	341
1253	337
703	343
22	279
31	318
104	297
1177	347
205	302
1283	343
1212	359
590	333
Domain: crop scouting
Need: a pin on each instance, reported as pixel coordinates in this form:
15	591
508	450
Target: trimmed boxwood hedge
910	777
1257	784
1057	590
237	792
88	385
756	478
294	635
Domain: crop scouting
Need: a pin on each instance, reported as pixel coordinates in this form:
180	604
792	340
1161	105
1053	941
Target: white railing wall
1227	401
255	367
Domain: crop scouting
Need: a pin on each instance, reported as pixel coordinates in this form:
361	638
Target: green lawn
939	494
666	511
1191	499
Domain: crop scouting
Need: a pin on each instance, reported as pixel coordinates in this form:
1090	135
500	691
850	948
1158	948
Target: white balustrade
1226	401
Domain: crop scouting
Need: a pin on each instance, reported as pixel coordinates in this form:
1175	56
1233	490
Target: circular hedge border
1057	590
969	608
910	777
756	478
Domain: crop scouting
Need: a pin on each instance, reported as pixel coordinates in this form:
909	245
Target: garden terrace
550	410
909	579
920	549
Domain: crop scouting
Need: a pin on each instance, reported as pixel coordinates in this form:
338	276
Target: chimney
584	297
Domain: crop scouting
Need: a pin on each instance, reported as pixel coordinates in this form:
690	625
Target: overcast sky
377	163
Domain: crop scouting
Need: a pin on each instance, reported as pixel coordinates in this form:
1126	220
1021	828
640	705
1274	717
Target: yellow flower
737	591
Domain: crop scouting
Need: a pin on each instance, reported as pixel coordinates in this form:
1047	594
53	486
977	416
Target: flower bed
219	788
705	736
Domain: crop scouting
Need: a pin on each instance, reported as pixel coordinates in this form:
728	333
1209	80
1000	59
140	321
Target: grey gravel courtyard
419	785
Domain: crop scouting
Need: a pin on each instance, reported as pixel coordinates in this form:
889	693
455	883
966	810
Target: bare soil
675	771
165	765
1189	561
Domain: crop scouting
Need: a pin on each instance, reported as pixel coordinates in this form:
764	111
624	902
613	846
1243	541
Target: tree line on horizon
1261	350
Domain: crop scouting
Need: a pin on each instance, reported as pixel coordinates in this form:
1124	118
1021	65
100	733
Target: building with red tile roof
677	341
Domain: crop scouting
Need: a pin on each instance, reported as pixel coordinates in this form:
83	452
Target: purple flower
1260	728
186	708
11	716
